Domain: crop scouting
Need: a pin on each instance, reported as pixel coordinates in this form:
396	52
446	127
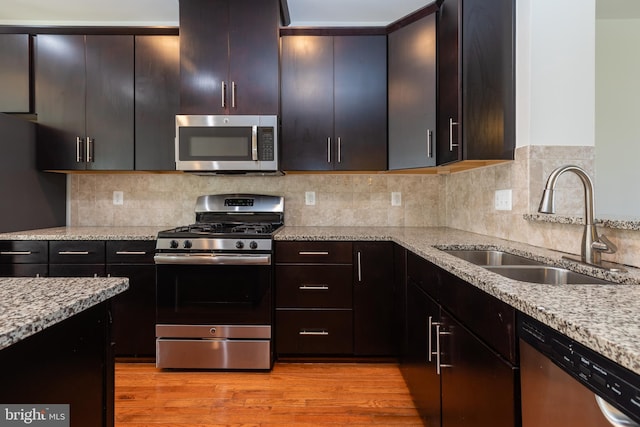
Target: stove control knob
173	244
239	244
253	245
187	244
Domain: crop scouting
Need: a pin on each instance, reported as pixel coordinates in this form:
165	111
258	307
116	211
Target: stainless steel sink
546	275
491	257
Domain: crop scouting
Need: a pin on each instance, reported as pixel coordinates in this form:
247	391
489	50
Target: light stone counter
30	305
605	318
86	233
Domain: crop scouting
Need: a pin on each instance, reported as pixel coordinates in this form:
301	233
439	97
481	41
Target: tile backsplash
463	200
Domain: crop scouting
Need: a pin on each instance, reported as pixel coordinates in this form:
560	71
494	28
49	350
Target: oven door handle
213	259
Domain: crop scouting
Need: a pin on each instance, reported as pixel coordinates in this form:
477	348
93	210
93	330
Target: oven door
214	294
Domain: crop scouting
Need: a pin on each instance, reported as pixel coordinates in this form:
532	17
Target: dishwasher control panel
614	383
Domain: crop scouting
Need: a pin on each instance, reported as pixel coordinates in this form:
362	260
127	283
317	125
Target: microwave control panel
266	144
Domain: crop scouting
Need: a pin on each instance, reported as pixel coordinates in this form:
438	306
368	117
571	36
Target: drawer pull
317	332
131	253
313	287
73	253
15	253
313	253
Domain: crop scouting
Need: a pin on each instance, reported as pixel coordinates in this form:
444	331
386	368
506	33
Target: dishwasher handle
615	417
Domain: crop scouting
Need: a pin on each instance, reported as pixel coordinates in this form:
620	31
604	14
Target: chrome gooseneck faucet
593	246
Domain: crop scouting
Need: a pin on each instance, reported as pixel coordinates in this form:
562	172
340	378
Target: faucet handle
603	244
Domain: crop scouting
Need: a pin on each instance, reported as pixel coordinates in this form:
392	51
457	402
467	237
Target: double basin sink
524	269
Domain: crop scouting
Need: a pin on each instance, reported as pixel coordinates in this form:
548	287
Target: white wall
617	116
555	86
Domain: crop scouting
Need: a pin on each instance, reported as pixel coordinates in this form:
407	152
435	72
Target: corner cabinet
85	102
334	102
229	56
335	299
412	94
476	80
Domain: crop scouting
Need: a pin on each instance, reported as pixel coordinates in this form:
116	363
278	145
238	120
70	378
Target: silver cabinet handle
313	287
440	365
451	125
313	253
254	143
73	253
223	91
339	150
131	253
328	149
429	147
16	253
359	266
79	150
233	94
311	332
89	147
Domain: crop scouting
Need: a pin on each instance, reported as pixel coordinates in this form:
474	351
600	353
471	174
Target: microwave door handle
254	143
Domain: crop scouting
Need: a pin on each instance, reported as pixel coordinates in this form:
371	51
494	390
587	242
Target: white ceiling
165	12
303	12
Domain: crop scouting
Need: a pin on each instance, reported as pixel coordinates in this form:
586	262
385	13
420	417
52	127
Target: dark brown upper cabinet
476	80
412	94
15	73
85	102
229	56
334	102
157	100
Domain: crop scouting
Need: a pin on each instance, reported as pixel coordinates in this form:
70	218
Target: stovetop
221	230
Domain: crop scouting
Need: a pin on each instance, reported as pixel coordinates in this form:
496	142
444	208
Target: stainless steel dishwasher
566	384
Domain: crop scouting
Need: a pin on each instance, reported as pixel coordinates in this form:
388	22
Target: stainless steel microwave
227	144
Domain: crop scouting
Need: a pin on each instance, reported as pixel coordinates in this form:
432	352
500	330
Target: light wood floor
293	394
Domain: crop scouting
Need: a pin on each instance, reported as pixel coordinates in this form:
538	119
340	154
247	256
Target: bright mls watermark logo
34	415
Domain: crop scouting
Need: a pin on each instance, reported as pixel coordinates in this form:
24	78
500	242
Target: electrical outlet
118	198
503	200
310	198
396	198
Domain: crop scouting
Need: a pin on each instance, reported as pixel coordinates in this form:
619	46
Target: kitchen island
55	346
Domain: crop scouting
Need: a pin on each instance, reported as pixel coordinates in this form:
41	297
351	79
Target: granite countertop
605	318
29	305
85	233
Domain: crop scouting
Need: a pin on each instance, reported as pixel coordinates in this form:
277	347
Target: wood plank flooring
292	394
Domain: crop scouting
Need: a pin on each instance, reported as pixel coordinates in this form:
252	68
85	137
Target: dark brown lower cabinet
418	364
478	386
314	332
68	363
458	361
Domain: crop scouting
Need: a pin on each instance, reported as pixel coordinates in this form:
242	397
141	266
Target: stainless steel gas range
214	285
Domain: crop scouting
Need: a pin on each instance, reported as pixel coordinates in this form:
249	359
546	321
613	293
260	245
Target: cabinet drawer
77	270
23	252
314	252
76	252
305	286
23	270
314	332
130	252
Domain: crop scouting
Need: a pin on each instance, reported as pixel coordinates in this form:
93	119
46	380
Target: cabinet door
109	104
448	130
134	311
376	329
418	365
478	386
412	95
15	73
60	101
157	99
204	56
253	57
307	102
360	112
488	79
